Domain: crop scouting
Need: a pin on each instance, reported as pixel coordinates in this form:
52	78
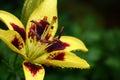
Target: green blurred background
96	22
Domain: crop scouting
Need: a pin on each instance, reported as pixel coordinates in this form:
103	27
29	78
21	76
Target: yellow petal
13	40
33	71
74	43
8	18
28	8
63	59
46	8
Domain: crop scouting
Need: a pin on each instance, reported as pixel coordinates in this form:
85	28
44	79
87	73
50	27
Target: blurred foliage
96	22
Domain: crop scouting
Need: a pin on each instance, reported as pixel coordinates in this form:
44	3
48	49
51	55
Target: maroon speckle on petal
58	45
16	42
21	31
32	67
56	56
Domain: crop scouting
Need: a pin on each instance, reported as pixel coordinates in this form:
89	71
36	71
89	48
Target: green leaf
28	8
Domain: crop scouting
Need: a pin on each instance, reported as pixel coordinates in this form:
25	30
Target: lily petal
28	8
74	43
33	71
8	19
47	8
13	40
63	59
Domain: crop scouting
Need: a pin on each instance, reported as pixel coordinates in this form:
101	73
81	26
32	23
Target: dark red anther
45	41
35	33
45	18
31	30
54	18
61	31
37	23
39	28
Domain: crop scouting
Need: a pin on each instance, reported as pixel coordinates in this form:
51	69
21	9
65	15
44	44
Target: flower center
40	35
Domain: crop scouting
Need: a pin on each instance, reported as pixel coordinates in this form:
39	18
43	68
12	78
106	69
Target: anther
54	18
61	31
45	41
57	40
45	18
37	23
38	37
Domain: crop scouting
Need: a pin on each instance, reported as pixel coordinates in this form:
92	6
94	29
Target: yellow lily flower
37	44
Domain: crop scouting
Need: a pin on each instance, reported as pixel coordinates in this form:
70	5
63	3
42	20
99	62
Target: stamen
55	18
61	31
47	30
44	22
55	40
45	41
43	31
35	33
40	27
37	23
45	18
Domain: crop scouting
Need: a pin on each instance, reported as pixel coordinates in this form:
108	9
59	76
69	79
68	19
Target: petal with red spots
74	43
33	71
56	56
13	40
62	59
20	30
7	18
17	43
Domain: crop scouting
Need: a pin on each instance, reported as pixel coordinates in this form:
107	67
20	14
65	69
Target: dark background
95	22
